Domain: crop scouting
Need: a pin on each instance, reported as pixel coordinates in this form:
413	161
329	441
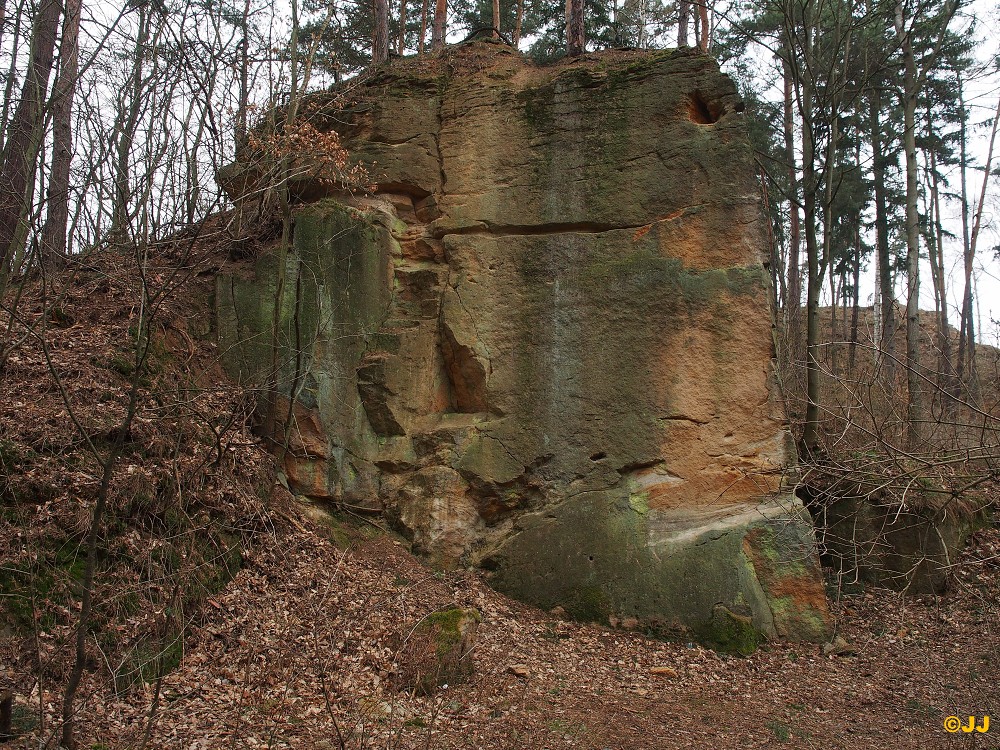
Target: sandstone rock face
543	345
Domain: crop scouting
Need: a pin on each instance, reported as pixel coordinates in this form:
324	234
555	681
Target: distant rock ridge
543	345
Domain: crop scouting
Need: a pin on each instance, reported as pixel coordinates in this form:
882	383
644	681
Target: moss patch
730	633
448	626
438	651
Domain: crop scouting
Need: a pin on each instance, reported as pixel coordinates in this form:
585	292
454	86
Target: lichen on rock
438	652
543	344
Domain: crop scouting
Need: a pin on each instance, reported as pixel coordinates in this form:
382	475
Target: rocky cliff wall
542	346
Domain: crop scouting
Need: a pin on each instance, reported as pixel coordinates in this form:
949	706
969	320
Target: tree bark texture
24	136
914	386
380	32
703	15
575	41
54	246
439	29
401	45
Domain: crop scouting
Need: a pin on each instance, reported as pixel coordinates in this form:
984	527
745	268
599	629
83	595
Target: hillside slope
230	615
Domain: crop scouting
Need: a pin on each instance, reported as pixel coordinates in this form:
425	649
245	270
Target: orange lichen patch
716	371
306	436
307	476
710	487
691	236
788	575
641	232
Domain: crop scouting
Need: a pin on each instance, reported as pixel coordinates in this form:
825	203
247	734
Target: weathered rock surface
911	549
543	345
439	651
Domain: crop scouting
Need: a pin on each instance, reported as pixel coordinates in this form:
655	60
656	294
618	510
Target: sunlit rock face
543	345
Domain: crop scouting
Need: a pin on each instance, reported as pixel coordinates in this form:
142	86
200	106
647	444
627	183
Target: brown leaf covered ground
299	651
301	648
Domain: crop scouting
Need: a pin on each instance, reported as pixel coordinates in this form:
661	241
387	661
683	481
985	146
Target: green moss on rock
438	651
730	633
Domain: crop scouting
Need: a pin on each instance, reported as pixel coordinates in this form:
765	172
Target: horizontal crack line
581	227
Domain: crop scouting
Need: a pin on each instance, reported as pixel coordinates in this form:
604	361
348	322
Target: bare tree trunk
914	386
575	41
703	16
793	304
887	331
517	24
423	27
683	16
439	29
126	133
243	99
810	434
54	246
935	251
401	45
12	72
856	294
966	332
380	32
24	137
3	19
831	350
976	226
496	19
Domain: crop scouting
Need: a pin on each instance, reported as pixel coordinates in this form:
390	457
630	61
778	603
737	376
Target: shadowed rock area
542	346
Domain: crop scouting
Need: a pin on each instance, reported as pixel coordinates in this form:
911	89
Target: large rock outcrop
542	346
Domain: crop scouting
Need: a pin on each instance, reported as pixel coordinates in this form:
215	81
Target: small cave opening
701	111
599	456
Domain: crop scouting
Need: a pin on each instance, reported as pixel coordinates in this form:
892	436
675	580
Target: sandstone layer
542	345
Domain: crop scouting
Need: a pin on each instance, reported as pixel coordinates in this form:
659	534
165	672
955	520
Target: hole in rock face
598	456
592	558
701	111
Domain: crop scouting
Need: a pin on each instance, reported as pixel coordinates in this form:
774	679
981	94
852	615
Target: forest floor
300	651
301	648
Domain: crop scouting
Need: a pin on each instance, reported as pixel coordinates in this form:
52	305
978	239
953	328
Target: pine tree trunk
935	251
57	211
831	349
966	333
496	19
380	31
683	16
575	41
794	301
856	294
814	288
439	29
517	24
703	15
886	334
402	28
423	27
914	385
